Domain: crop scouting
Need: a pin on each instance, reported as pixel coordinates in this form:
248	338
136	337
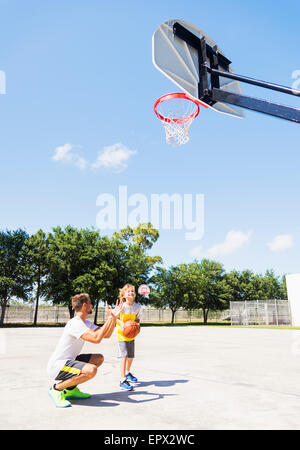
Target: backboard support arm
258	105
210	61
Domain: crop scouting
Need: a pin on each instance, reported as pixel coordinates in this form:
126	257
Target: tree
134	265
72	254
82	260
36	251
240	284
171	288
283	288
100	274
247	286
271	285
144	235
208	289
192	286
14	278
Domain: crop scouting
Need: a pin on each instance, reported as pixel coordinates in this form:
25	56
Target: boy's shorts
126	349
73	367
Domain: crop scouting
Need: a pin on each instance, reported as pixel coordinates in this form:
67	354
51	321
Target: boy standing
131	311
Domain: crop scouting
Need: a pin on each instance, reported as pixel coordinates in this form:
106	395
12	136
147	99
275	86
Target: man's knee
97	360
100	360
89	370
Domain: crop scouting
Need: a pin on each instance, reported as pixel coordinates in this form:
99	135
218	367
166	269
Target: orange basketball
131	329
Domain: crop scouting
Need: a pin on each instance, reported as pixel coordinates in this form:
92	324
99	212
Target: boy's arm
121	323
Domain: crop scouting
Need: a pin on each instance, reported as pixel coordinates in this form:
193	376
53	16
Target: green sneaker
59	398
76	393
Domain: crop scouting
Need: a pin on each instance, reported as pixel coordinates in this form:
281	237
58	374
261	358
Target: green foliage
36	251
199	285
247	285
68	261
14	278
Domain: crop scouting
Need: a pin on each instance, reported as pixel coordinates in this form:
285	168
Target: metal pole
260	83
276	312
256	104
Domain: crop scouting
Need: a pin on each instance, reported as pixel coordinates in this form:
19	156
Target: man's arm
96	336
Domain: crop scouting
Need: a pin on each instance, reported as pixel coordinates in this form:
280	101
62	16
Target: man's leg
73	373
97	359
87	373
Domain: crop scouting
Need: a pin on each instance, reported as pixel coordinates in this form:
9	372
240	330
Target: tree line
55	266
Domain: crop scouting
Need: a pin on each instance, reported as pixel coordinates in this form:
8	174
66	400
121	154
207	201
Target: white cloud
113	157
65	154
234	240
62	153
281	242
196	252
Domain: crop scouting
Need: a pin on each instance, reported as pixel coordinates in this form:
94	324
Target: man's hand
118	309
108	309
107	329
114	312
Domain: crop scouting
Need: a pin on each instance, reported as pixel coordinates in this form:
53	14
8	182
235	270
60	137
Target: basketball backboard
193	61
179	61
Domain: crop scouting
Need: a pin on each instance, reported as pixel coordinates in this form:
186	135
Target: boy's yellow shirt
130	312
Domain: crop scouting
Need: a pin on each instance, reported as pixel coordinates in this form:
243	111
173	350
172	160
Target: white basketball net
178	114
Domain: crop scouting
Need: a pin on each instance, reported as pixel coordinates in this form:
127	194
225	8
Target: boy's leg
123	355
128	364
123	367
130	357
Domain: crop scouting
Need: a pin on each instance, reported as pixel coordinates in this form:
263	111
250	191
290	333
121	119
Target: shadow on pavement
120	397
160	383
129	396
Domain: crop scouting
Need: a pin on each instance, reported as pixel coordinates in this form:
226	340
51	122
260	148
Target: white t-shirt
69	345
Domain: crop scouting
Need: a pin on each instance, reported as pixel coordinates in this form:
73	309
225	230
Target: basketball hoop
144	290
177	112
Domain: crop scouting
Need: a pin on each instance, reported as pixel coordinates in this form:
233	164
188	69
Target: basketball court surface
191	378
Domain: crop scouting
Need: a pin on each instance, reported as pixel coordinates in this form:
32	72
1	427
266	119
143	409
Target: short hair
78	300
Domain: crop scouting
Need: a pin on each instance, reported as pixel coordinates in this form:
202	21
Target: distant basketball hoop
144	290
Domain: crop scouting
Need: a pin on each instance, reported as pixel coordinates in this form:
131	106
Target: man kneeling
67	366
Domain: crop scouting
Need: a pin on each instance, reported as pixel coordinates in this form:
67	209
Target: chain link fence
60	315
260	312
257	312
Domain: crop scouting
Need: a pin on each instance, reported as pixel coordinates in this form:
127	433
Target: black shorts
73	367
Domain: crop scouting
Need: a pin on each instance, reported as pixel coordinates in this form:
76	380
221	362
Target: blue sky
77	121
